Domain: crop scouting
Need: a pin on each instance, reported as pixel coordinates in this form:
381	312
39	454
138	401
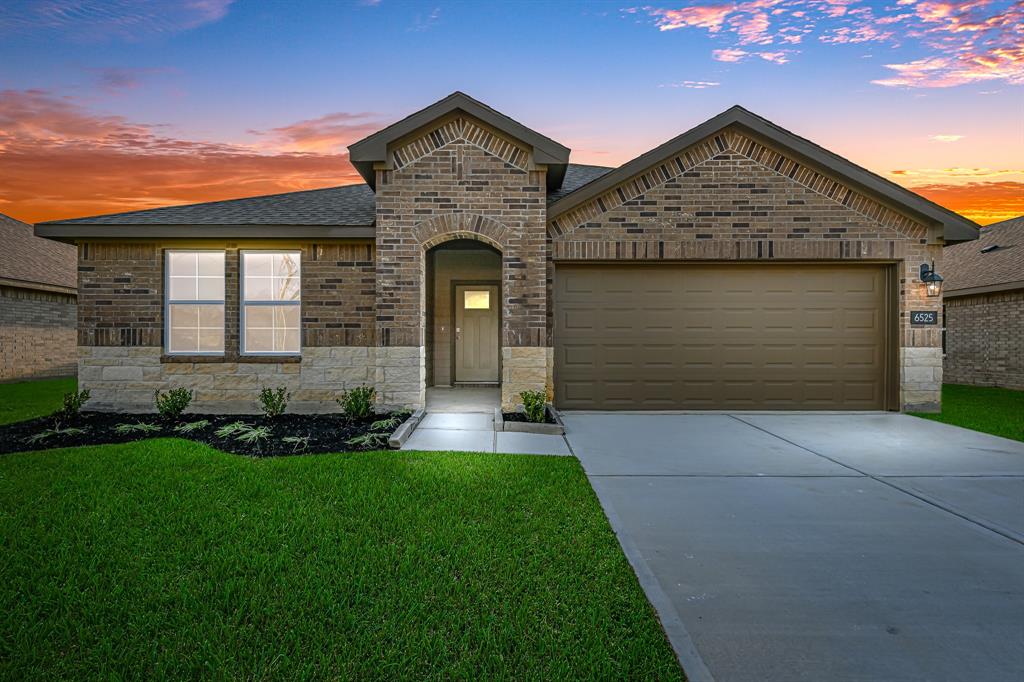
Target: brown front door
721	336
476	333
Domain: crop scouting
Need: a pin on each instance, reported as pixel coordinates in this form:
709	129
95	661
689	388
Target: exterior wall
985	339
731	198
453	265
37	334
120	328
457	180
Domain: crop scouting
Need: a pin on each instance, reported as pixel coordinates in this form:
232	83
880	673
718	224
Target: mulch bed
326	432
521	417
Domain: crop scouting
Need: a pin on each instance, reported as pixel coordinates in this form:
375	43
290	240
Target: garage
724	336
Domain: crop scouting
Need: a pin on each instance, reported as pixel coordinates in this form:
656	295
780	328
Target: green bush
534	404
73	402
171	404
357	403
274	401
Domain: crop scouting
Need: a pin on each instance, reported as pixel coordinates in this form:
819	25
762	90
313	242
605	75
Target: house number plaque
924	317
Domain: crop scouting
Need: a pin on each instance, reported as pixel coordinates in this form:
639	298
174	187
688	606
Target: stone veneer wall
459	180
985	339
732	198
37	334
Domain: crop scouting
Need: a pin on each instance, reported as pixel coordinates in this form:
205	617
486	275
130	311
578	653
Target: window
194	302
477	300
270	302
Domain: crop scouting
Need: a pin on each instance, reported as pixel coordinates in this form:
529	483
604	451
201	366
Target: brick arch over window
449	226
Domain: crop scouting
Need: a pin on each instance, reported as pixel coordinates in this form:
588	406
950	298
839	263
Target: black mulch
521	417
326	432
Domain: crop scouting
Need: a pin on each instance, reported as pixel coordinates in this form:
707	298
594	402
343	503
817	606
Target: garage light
932	280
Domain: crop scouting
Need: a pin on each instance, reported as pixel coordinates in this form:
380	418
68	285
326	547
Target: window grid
193	304
271	302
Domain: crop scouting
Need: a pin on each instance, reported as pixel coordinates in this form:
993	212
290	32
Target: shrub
73	402
137	427
171	404
356	403
534	404
273	401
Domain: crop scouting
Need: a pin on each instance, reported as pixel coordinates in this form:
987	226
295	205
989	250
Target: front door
476	333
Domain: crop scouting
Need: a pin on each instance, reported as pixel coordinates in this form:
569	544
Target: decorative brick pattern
985	339
460	129
37	334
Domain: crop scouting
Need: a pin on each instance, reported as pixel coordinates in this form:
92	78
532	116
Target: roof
976	267
345	211
954	226
577	175
373	148
29	261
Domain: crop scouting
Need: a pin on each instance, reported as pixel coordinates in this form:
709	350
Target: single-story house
984	308
37	305
736	266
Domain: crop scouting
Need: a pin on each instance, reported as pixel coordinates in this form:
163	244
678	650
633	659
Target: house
736	266
37	305
984	308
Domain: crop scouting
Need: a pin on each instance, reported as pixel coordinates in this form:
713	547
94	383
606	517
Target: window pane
258	264
286	288
211	263
286	265
211	288
272	276
195	328
184	316
182	289
211	341
478	300
181	264
272	328
259	340
258	288
183	340
286	340
211	316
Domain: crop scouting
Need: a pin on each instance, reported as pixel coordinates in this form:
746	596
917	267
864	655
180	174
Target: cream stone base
125	379
921	379
524	368
401	377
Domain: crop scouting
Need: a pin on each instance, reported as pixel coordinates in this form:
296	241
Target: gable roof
28	261
576	176
954	226
975	266
373	148
345	211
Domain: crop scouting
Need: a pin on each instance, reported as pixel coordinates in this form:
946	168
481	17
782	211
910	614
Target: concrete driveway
819	546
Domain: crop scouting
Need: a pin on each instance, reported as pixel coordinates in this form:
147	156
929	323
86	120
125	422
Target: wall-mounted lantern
932	280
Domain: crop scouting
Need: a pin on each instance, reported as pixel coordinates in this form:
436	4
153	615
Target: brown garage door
720	336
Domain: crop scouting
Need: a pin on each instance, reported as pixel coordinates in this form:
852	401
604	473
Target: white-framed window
194	302
271	308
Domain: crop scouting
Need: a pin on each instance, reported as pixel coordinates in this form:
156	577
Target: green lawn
31	399
168	559
998	411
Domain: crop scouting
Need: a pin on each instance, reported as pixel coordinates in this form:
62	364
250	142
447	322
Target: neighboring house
37	305
984	304
737	266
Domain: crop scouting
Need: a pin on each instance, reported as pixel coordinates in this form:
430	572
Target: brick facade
985	339
37	334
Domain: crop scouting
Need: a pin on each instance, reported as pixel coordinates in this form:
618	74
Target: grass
999	411
168	559
31	399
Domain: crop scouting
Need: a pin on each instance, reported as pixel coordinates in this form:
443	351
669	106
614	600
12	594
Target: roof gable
806	159
374	149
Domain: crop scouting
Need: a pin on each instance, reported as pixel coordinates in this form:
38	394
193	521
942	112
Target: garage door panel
720	337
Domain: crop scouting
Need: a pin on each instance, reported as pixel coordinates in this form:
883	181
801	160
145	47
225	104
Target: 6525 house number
924	317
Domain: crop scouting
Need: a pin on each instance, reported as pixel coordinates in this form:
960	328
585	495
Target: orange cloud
58	160
982	202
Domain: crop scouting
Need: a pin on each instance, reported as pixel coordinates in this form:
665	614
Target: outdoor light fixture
932	280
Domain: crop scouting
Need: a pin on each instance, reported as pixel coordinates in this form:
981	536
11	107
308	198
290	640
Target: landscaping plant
231	429
192	426
534	405
73	401
171	404
370	441
356	403
274	401
50	433
298	443
137	427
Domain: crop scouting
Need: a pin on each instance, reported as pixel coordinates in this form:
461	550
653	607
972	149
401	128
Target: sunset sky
112	105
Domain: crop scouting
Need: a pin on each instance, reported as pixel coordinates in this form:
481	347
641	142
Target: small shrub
273	401
171	404
47	434
137	427
356	403
298	443
192	426
254	436
389	424
370	441
73	402
230	429
534	404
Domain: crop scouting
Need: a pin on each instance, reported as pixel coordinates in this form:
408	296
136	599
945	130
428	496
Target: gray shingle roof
966	266
29	259
577	175
344	205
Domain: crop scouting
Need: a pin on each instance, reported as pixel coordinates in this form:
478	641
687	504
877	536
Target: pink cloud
731	54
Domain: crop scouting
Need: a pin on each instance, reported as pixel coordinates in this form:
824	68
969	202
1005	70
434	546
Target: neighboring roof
955	227
373	149
345	211
27	260
577	175
976	267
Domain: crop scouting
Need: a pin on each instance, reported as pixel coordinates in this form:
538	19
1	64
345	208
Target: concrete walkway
819	546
